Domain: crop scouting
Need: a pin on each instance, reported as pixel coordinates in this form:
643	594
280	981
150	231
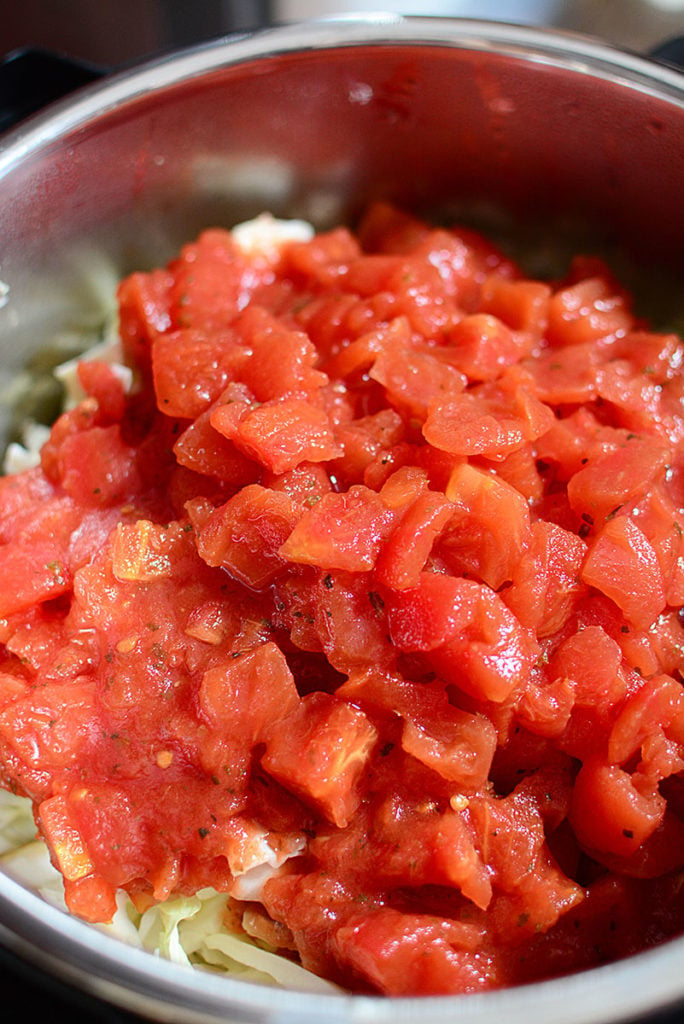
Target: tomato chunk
320	751
622	564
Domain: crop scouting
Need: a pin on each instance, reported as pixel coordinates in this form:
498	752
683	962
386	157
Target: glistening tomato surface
364	608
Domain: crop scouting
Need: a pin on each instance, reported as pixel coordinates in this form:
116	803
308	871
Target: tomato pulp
364	608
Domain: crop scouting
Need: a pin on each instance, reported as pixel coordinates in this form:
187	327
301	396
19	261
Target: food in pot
351	619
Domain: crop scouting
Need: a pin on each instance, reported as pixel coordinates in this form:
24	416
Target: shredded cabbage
188	930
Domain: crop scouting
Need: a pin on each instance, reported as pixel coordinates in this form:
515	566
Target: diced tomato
342	531
96	467
615	477
365	439
324	259
456	744
191	369
306	483
535	892
204	450
408	547
99	380
245	535
489	527
413	377
362	352
279	434
465	259
486	423
522	305
403	953
48	733
144	312
608	814
622	565
320	751
278	361
209	282
483	345
565	376
546	579
589	310
655	707
146	551
592	661
473	640
245	696
386	228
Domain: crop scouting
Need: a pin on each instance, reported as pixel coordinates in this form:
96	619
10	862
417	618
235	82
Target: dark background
114	33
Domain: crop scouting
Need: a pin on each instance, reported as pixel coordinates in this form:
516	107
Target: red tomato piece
243	697
97	468
146	551
615	477
535	892
568	376
546	579
404	953
608	814
413	377
245	534
319	751
144	302
192	368
210	282
486	423
489	527
279	361
654	708
589	310
361	353
386	228
342	531
483	346
622	564
408	547
592	661
279	434
522	305
456	744
324	259
204	450
99	380
474	641
364	440
306	483
50	732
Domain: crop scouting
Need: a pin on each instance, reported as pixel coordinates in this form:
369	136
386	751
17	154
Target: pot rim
104	966
96	962
578	53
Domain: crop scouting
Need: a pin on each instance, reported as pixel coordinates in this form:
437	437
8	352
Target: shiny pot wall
501	123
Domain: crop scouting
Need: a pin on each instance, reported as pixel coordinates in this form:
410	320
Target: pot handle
30	78
671	52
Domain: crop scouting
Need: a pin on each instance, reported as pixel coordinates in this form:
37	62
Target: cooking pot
509	126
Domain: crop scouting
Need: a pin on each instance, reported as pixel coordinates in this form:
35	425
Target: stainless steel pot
512	124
